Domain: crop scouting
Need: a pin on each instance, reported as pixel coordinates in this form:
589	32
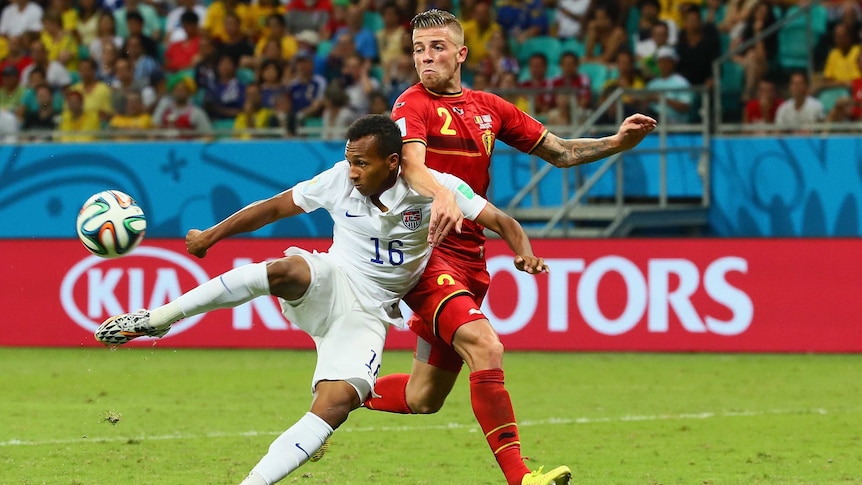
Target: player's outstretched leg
230	289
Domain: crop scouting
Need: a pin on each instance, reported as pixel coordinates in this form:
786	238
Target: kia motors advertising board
758	295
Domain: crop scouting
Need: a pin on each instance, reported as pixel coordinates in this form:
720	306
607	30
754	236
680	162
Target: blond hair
439	18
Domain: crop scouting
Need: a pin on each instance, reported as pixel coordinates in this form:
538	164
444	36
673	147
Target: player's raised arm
566	153
444	210
250	218
512	232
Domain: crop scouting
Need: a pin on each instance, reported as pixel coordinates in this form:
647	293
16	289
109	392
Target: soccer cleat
122	328
557	476
317	455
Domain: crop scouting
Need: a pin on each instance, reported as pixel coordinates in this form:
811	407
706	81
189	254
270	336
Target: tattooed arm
564	153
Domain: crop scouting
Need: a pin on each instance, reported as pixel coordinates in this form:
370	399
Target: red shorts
448	295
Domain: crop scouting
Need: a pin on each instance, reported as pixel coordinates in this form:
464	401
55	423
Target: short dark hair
134	15
189	17
382	128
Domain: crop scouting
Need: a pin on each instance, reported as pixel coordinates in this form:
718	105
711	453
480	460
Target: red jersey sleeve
518	130
410	114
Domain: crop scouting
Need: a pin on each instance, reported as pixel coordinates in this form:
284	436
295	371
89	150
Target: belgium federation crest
488	141
412	218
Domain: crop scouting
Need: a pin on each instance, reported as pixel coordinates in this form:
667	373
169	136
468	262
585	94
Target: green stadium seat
573	45
245	75
323	48
793	51
549	46
598	74
372	21
829	96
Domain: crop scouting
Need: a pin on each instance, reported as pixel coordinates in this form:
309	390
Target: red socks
392	390
493	409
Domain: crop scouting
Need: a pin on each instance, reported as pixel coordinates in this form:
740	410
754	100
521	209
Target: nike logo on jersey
348	214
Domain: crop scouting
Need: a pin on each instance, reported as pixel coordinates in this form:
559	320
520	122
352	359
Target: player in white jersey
345	298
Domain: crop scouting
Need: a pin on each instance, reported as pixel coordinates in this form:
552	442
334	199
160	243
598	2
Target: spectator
135	25
648	18
207	63
538	80
310	15
508	82
674	10
87	26
214	20
106	63
96	94
148	15
337	19
697	48
605	37
284	115
645	50
260	11
800	108
523	19
389	37
363	39
842	63
59	44
225	99
65	12
143	65
735	15
358	83
29	103
499	59
481	82
628	77
77	125
254	114
180	113
233	42
106	34
337	114
173	22
11	89
270	82
477	34
55	74
571	15
21	17
46	114
399	77
379	104
678	102
183	53
843	111
762	109
332	65
17	55
756	59
135	117
125	84
573	82
277	31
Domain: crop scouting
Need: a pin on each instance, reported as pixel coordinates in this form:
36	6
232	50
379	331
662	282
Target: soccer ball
111	224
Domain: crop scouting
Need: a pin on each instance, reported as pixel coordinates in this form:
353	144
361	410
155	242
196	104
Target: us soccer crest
412	218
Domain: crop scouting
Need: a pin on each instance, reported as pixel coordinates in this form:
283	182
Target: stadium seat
793	51
550	46
819	19
598	74
245	75
372	21
829	96
573	45
323	48
732	81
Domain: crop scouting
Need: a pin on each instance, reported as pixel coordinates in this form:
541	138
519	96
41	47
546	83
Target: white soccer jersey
383	254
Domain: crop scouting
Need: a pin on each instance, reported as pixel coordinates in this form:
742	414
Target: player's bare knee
425	402
288	277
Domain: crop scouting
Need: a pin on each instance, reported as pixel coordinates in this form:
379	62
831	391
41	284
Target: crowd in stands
74	70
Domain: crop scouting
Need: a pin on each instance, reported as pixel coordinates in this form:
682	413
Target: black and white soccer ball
111	224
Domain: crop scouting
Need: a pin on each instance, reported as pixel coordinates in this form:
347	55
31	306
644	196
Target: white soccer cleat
122	328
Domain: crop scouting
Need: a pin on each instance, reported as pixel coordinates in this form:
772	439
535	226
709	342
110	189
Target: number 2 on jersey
446	130
396	256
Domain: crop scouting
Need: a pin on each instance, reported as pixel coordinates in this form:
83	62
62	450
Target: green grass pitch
157	416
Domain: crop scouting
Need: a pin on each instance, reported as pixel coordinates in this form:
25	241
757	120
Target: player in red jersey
453	129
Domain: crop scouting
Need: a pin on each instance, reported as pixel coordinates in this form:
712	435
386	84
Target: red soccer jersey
459	131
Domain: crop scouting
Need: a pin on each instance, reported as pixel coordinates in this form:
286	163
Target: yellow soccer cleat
557	476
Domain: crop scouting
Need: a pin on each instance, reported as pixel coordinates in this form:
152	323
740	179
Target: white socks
231	289
290	450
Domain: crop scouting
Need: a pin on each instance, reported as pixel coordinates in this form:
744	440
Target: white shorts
349	340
